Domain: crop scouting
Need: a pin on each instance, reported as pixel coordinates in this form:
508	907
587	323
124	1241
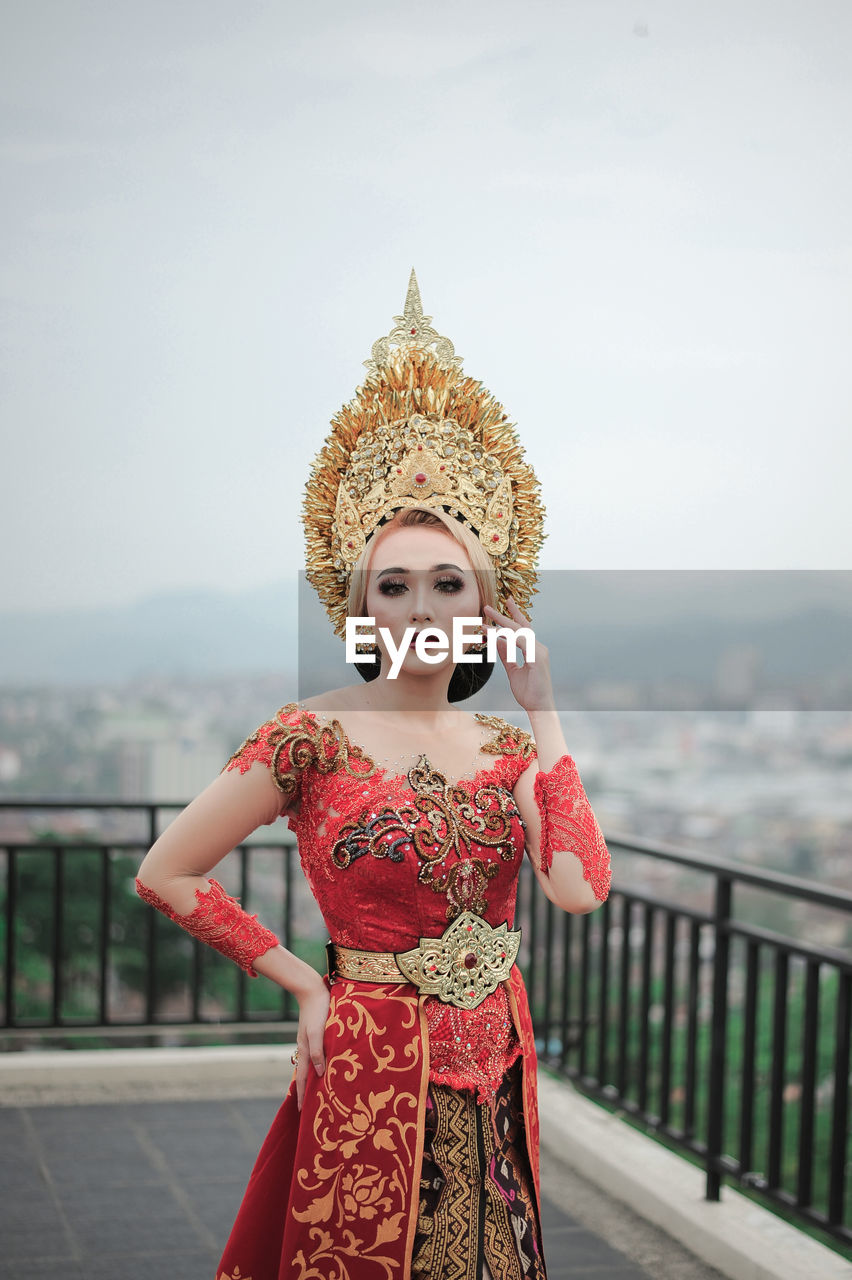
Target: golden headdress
420	432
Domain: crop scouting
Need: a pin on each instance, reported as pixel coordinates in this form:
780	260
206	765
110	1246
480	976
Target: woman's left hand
530	683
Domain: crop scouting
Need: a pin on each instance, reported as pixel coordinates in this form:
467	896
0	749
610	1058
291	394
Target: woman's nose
419	605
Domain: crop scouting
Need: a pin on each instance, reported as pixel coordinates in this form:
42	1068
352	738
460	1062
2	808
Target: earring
363	647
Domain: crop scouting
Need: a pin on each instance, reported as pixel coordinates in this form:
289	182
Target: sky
634	220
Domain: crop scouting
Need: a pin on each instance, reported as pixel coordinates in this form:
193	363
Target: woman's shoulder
285	743
289	716
299	712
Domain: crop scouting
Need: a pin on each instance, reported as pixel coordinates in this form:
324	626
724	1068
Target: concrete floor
137	1189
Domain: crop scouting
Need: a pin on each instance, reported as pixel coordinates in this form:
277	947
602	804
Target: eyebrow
434	569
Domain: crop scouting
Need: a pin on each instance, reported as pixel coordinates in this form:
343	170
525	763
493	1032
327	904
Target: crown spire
413	330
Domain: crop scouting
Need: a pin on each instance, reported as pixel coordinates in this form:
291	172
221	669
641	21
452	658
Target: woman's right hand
310	1038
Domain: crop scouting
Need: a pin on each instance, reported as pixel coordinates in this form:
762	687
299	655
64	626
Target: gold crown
420	432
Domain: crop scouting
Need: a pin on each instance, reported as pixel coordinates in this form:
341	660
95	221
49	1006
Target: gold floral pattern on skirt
335	1191
354	1192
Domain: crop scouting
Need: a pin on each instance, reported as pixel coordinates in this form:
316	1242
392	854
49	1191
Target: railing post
11	957
840	1104
151	975
716	1087
548	976
288	1013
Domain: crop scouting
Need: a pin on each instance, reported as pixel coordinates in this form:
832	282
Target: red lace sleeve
568	824
285	744
514	746
521	753
220	921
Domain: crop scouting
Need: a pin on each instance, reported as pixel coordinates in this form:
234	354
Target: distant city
730	739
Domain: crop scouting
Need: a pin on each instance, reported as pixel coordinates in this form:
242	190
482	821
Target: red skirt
384	1175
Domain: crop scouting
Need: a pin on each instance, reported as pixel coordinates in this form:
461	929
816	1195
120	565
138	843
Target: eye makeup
449	584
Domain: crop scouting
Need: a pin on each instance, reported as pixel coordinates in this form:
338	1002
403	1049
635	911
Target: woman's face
420	577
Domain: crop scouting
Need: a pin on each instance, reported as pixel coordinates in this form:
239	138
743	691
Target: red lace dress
415	1154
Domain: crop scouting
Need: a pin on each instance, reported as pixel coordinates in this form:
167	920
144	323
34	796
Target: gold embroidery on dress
509	740
456	821
295	746
313	738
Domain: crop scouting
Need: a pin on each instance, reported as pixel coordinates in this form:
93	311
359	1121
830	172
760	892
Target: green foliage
88	873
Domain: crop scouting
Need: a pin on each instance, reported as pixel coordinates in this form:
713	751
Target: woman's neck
421	697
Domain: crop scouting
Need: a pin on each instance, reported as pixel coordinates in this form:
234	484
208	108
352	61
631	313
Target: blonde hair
406	518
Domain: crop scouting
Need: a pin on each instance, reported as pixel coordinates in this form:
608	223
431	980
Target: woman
407	1145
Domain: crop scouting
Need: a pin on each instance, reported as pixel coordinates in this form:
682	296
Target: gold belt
461	967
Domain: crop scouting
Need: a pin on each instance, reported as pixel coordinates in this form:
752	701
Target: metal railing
727	1040
724	1038
118	920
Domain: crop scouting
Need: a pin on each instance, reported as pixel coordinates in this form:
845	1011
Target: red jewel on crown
470	960
420	478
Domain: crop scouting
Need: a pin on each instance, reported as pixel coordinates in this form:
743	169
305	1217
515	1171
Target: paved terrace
130	1164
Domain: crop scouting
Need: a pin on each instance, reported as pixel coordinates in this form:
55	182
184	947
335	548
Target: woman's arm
560	820
551	799
173	874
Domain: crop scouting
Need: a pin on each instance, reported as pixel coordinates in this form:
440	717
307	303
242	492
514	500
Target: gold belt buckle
465	964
